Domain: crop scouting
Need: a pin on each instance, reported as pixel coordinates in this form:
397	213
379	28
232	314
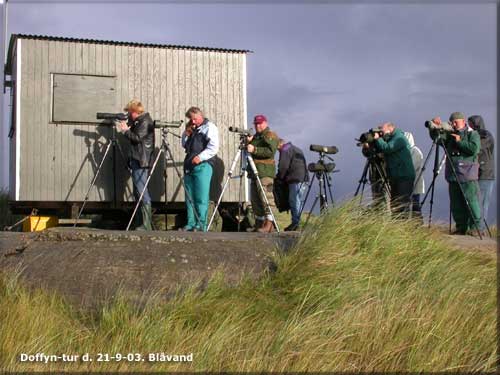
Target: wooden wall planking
27	117
168	81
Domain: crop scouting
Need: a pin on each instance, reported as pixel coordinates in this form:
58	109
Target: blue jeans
197	183
295	197
486	188
139	178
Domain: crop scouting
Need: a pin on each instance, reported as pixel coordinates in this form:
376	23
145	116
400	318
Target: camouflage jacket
266	145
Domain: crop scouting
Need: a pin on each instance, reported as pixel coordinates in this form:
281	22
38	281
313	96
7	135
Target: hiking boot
267	227
292	228
258	225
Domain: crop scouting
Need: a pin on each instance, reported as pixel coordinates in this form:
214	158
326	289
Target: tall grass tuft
360	292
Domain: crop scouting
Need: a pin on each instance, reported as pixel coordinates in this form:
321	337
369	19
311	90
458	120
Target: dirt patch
469	243
90	266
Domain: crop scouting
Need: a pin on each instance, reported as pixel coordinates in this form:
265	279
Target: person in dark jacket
463	145
140	132
292	170
486	160
201	141
399	165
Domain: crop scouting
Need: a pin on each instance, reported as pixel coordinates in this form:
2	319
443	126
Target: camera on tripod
330	150
322	172
445	127
321	167
112	117
369	136
242	132
168	124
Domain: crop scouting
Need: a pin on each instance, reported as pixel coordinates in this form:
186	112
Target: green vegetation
360	292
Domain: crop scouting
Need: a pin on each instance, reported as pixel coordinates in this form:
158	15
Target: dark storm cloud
323	73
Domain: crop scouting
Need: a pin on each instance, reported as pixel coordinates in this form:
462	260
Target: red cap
259	119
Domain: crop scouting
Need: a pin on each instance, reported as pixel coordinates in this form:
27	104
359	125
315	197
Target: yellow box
39	223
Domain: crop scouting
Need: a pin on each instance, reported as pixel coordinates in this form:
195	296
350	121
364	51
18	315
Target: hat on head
259	119
457	116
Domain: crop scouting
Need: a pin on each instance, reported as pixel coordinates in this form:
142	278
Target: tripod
438	165
372	162
166	151
439	141
112	144
245	159
322	172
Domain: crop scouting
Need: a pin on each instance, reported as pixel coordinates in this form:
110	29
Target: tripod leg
435	174
259	184
307	195
229	176
424	166
310	212
181	178
323	201
362	193
124	159
362	181
93	183
263	192
431	203
487	227
385	184
329	184
449	228
151	171
240	199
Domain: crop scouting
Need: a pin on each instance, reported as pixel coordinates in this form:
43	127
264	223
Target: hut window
77	98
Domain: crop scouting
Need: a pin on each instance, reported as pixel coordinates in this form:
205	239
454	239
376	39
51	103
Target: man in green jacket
463	145
399	165
262	147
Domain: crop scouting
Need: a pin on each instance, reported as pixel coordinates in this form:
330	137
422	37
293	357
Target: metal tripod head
165	132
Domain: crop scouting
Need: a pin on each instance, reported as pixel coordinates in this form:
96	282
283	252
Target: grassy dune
361	292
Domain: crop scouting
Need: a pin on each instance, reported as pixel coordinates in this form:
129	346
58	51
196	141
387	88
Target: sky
322	72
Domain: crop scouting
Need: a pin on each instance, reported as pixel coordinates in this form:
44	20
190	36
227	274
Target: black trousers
401	193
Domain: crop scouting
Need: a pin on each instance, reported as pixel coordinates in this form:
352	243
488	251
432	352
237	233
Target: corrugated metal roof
14	37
